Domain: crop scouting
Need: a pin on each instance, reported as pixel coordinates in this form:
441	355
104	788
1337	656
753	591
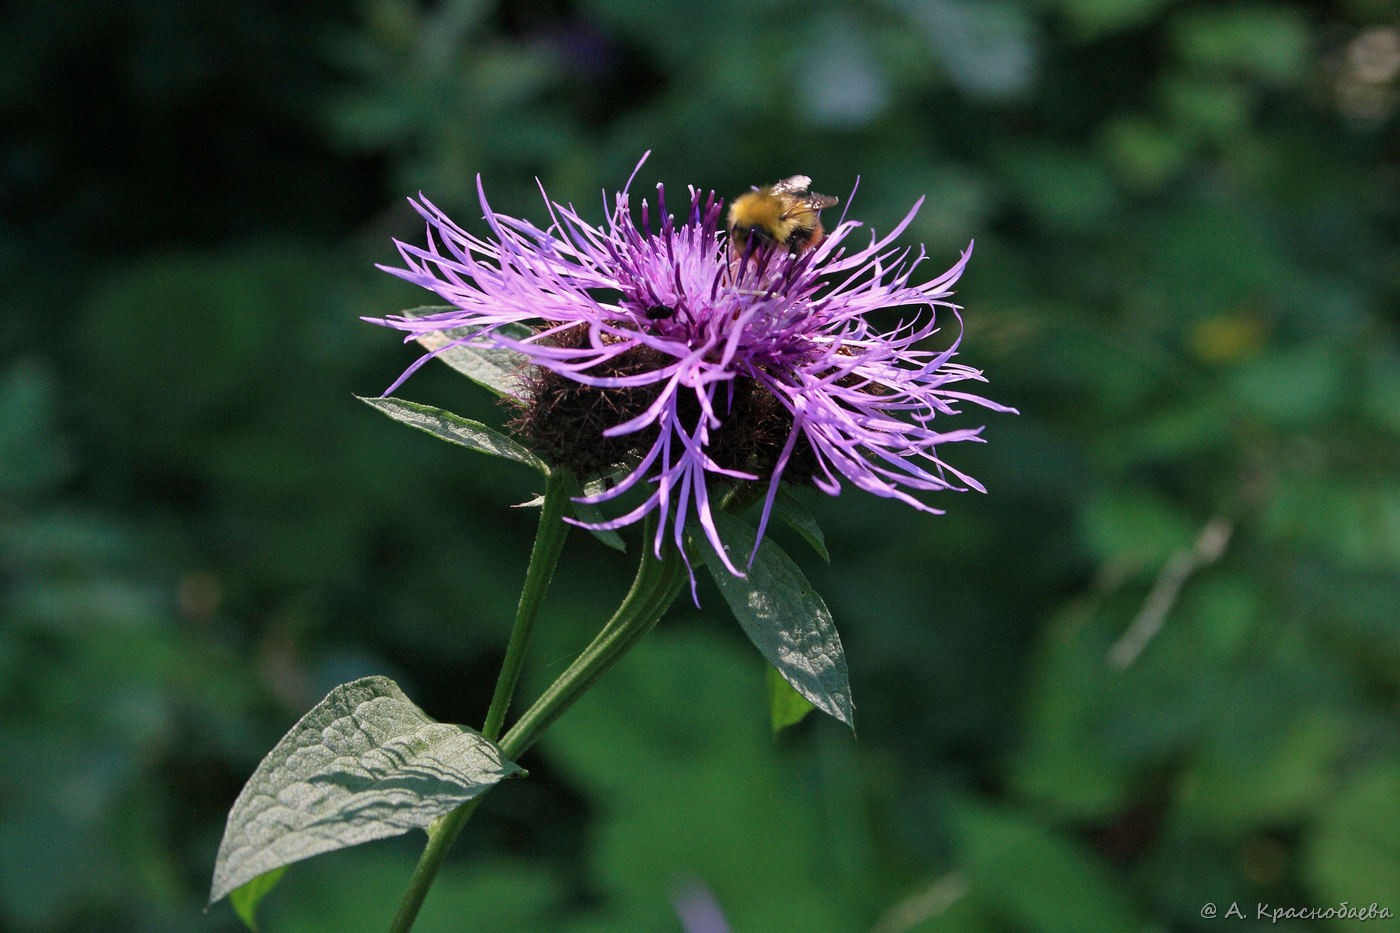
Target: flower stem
655	587
441	835
549	542
653	590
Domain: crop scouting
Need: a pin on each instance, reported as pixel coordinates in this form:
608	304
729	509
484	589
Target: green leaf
245	898
1135	528
1037	879
495	368
1092	19
455	429
1295	388
792	511
363	764
34	456
1352	849
1268	42
786	707
785	619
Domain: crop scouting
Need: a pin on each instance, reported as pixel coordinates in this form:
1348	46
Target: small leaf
455	429
785	619
245	898
363	764
591	513
786	707
495	368
801	520
585	513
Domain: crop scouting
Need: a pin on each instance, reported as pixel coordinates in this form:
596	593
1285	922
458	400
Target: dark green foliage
1187	220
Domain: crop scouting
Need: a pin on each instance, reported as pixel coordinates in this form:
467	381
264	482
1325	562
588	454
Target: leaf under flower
785	619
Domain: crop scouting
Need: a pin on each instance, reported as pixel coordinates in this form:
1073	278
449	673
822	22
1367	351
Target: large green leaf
365	763
495	368
455	429
785	619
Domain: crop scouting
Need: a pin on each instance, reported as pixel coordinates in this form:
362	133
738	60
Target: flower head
664	358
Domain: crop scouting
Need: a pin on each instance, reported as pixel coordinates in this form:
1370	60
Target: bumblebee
784	214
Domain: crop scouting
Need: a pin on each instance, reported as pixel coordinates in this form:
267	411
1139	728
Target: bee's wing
796	184
803	200
808	202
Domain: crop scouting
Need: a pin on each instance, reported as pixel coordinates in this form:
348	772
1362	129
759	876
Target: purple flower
697	908
661	359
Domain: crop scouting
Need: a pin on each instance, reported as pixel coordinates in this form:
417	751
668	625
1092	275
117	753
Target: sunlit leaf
785	619
365	763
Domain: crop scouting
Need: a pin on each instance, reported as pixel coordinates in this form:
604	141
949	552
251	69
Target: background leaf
786	707
1352	853
1061	888
246	897
363	764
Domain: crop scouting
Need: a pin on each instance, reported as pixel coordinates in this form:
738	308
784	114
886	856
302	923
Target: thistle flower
658	357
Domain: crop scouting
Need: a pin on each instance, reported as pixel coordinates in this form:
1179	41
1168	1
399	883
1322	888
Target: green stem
544	556
655	587
441	835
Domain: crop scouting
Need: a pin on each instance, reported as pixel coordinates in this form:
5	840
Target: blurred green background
1158	666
